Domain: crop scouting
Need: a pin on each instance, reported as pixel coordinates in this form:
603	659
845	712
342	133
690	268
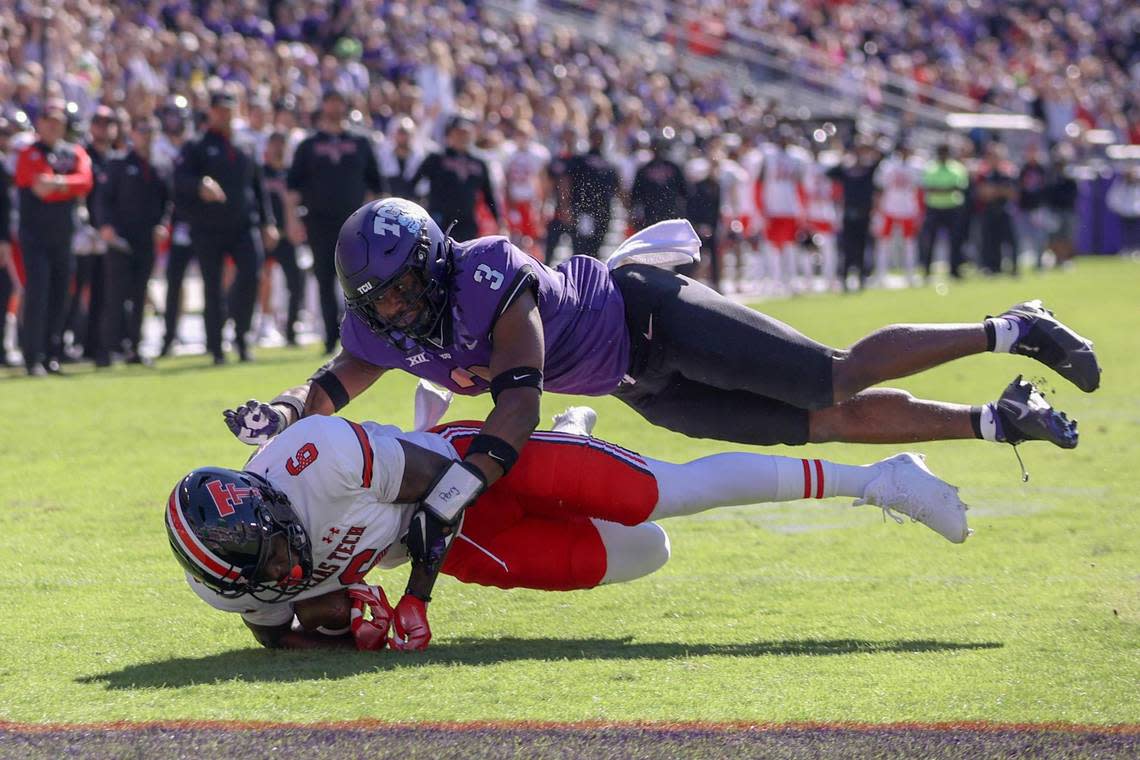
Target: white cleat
577	420
905	484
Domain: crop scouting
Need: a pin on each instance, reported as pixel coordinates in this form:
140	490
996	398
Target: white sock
1006	333
724	480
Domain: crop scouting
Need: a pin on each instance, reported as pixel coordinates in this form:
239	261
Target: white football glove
255	422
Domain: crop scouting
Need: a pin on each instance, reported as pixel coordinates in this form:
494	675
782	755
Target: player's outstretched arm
516	387
328	390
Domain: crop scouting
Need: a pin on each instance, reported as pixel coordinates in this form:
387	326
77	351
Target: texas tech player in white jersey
779	200
342	479
900	207
523	170
822	196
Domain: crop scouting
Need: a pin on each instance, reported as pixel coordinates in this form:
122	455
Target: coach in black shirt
457	180
333	172
659	189
593	185
218	187
132	206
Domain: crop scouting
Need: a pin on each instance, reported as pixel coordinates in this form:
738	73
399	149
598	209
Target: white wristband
455	489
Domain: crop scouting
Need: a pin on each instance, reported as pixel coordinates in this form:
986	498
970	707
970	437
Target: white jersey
781	174
342	479
735	190
901	183
820	191
523	167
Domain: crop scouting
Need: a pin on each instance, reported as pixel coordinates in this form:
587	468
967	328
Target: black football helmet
221	524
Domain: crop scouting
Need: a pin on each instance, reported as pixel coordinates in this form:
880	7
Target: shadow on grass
265	665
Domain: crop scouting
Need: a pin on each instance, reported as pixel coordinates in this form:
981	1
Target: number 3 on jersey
493	277
304	457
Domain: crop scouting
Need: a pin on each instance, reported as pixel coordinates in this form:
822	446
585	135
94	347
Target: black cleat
1049	341
1025	415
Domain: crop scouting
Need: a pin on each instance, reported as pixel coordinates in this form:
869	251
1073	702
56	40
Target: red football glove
370	634
410	625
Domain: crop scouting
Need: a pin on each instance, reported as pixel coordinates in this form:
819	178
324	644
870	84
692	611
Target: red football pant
532	528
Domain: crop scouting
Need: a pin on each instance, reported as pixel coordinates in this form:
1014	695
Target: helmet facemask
422	318
277	518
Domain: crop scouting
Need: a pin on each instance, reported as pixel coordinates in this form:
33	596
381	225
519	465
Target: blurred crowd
1073	64
144	140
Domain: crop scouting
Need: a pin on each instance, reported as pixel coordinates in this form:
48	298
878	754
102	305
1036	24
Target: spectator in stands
218	186
52	175
457	180
997	192
334	171
134	206
944	182
1124	201
593	185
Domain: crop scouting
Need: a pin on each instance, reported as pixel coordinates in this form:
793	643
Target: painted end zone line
1125	729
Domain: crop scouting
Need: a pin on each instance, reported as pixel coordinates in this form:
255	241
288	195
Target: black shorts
708	367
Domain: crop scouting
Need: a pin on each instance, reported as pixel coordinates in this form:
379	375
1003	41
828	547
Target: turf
802	612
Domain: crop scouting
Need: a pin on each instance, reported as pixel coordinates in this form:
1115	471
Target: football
329	611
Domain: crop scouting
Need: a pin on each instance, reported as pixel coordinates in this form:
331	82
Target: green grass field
810	611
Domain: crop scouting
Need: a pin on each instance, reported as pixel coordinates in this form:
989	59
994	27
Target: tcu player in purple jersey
483	316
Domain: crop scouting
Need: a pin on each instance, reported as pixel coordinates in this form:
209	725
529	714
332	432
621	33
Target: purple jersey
583	320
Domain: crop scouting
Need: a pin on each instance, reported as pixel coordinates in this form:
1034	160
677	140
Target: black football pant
126	275
322	234
708	367
211	247
48	267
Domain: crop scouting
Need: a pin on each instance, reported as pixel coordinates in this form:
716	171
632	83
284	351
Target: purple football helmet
393	262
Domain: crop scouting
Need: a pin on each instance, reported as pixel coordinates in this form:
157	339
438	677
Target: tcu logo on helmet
393	214
226	496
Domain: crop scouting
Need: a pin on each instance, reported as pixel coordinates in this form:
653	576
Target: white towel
665	244
431	404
